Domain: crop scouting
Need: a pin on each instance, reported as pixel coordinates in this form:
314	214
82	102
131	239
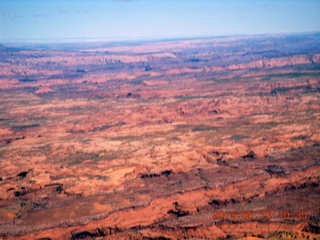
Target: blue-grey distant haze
153	19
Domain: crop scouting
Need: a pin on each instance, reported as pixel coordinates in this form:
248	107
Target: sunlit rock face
208	138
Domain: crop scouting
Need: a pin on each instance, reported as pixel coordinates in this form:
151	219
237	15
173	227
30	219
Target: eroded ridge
206	138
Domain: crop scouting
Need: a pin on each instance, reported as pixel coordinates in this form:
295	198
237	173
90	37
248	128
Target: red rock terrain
191	139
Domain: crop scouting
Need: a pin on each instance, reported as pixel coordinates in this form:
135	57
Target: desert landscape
212	138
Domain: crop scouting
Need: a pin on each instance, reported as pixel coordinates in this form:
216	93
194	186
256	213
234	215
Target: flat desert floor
211	138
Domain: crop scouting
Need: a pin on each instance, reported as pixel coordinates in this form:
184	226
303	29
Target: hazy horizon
125	20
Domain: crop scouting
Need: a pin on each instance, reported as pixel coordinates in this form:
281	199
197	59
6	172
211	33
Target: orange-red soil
150	140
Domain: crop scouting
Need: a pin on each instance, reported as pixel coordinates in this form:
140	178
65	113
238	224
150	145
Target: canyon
173	139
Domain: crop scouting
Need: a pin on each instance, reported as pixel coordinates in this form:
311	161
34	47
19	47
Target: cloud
40	15
62	11
9	16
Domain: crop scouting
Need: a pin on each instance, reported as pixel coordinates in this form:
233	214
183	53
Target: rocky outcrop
205	145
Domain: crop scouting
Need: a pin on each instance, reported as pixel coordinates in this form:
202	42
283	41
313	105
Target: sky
153	19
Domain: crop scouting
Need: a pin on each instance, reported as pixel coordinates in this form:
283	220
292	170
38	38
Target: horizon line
78	40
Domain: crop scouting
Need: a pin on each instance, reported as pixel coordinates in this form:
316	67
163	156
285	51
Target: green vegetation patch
101	128
104	127
293	75
238	137
185	98
112	155
78	157
126	138
22	127
285	89
174	139
2	153
204	128
27	80
183	126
